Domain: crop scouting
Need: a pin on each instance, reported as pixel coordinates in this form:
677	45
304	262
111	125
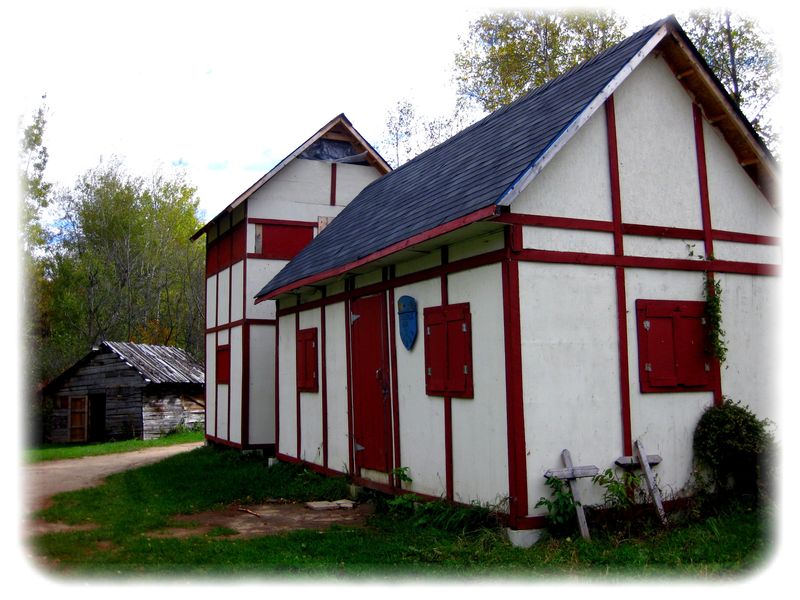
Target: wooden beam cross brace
571	473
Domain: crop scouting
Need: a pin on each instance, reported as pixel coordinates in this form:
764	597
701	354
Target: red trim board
515	411
619	277
478	215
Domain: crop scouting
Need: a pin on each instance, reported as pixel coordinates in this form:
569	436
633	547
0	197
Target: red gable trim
478	215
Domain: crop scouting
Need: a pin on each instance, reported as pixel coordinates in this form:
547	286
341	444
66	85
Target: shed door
370	380
97	417
77	419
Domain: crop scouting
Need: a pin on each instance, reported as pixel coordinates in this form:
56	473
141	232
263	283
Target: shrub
561	518
729	440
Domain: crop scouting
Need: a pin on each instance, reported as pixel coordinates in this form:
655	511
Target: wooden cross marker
571	474
644	463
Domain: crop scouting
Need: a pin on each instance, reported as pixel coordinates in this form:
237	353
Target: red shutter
224	364
306	357
672	346
448	351
283	242
238	242
224	245
435	351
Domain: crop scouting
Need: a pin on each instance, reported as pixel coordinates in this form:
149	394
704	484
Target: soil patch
265	519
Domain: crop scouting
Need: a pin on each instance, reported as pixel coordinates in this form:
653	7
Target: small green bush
729	440
561	520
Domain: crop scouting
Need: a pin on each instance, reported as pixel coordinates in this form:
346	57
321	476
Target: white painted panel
664	422
657	158
421	416
222	411
287	387
369	278
637	245
336	362
211	384
736	202
223	296
475	246
259	273
756	253
223	337
311	403
576	182
236	386
480	442
351	179
262	384
566	240
570	369
211	302
237	290
425	261
750	314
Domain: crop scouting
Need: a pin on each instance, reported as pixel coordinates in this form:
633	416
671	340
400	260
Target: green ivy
712	290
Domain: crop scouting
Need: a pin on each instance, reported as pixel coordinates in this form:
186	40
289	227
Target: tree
743	58
399	132
34	190
509	53
122	266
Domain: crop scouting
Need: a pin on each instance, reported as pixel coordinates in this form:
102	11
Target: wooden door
370	381
77	419
97	417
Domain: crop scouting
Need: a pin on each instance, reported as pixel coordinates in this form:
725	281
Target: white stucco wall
211	302
262	384
664	422
236	386
736	202
570	369
421	416
287	387
336	362
259	273
211	388
480	442
301	191
655	138
223	296
576	182
750	315
311	402
565	240
237	291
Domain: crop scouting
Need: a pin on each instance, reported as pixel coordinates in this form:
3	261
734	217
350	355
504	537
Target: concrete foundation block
524	538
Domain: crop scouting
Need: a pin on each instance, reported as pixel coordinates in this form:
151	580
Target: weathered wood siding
166	408
132	409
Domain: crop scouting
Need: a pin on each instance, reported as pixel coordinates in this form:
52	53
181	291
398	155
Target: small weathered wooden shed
125	390
537	283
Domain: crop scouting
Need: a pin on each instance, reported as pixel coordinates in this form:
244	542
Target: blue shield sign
407	318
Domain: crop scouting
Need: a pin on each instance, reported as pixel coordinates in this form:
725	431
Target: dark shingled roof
472	170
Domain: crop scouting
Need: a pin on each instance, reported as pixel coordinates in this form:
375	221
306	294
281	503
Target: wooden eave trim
719	111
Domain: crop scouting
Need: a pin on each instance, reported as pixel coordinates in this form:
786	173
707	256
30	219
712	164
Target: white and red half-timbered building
552	260
247	244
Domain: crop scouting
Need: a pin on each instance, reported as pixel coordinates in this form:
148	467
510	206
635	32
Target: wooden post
641	456
573	487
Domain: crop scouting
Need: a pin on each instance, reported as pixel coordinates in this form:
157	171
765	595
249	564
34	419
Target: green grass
131	506
62	451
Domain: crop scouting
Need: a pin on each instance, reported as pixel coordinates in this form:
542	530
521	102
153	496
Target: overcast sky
225	90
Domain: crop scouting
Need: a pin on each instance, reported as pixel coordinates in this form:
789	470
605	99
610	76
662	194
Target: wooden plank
572	473
628	462
573	487
639	452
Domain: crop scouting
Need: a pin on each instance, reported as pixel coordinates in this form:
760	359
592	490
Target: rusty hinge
646	324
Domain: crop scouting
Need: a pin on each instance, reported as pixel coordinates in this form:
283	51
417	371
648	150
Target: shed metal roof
471	175
159	364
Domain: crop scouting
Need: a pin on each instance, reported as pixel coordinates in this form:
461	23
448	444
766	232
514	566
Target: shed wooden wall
104	374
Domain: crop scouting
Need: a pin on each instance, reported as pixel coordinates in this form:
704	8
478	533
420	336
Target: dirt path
45	479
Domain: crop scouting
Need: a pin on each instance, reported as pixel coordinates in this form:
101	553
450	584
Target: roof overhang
689	67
